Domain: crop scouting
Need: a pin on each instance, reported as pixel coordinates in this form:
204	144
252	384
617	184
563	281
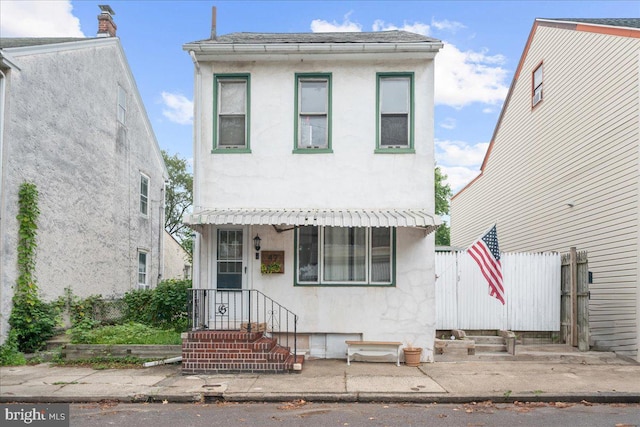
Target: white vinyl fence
532	293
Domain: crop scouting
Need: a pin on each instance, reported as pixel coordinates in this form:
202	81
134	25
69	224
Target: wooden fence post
573	257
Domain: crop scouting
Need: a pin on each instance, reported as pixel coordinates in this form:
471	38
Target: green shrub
163	307
80	309
33	322
82	332
137	305
169	304
9	353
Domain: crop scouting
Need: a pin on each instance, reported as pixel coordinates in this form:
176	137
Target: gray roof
395	36
612	22
36	41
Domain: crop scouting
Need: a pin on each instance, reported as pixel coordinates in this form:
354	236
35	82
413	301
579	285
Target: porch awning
287	218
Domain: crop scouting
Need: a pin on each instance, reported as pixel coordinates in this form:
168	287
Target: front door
229	259
229	302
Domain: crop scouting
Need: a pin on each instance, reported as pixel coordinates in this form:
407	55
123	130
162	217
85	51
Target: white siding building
562	166
72	122
321	145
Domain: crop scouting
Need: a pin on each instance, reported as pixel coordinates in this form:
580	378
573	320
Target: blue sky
483	43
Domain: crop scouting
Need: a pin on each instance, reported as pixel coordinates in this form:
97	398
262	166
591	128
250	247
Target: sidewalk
535	373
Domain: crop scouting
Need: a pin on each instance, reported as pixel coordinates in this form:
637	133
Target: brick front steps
214	352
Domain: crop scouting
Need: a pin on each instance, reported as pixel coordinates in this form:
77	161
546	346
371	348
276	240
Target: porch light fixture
256	245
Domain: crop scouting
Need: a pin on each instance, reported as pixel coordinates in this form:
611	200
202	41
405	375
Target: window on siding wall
122	105
395	112
232	107
537	85
142	270
144	194
344	256
313	124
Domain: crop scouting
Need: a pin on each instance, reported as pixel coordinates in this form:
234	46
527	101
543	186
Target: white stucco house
320	145
177	263
562	167
72	122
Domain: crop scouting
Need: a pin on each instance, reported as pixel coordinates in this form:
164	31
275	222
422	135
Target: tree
178	199
443	194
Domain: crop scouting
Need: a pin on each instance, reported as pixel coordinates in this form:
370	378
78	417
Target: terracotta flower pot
412	356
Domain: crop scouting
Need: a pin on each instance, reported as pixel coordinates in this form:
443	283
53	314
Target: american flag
486	253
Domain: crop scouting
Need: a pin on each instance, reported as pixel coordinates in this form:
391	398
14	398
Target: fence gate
574	324
532	293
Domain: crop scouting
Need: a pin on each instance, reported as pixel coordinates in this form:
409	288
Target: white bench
373	348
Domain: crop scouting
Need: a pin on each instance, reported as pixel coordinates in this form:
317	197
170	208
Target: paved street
310	414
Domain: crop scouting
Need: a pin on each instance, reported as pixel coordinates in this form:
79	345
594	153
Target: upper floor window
537	85
313	113
344	256
122	105
142	270
144	194
395	112
231	125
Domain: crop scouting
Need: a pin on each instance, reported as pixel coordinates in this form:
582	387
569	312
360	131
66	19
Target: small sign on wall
272	262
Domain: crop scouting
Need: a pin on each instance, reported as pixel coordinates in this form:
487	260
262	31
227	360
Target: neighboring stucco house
562	166
72	122
177	264
322	146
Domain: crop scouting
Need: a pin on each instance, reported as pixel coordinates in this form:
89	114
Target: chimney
213	23
106	26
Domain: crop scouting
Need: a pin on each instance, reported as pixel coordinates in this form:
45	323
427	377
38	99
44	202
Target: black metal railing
242	310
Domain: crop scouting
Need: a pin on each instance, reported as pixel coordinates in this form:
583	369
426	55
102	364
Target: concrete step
489	344
484	339
58	341
490	348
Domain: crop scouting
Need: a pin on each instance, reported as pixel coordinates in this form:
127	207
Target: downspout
161	231
195	256
3	79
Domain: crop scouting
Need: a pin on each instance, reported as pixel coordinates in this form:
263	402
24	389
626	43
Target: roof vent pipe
213	23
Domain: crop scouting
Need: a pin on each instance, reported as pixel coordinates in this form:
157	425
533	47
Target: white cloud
467	77
448	123
446	25
322	26
178	108
416	27
39	19
462	78
458	176
460	153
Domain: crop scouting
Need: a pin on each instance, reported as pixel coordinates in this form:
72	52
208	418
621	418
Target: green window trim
310	77
409	149
237	77
368	283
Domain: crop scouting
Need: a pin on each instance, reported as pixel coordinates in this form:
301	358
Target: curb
602	398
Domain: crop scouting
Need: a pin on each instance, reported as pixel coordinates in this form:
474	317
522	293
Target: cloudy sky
483	41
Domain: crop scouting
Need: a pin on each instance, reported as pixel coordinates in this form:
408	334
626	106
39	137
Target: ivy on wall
32	321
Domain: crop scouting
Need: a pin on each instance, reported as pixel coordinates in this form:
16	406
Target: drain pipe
195	254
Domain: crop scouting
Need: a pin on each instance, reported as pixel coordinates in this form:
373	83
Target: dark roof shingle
36	41
394	36
612	22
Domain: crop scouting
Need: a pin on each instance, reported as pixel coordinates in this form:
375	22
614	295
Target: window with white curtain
232	105
142	270
395	102
313	94
344	256
144	194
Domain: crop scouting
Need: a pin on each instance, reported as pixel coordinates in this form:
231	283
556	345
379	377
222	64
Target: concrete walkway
535	373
